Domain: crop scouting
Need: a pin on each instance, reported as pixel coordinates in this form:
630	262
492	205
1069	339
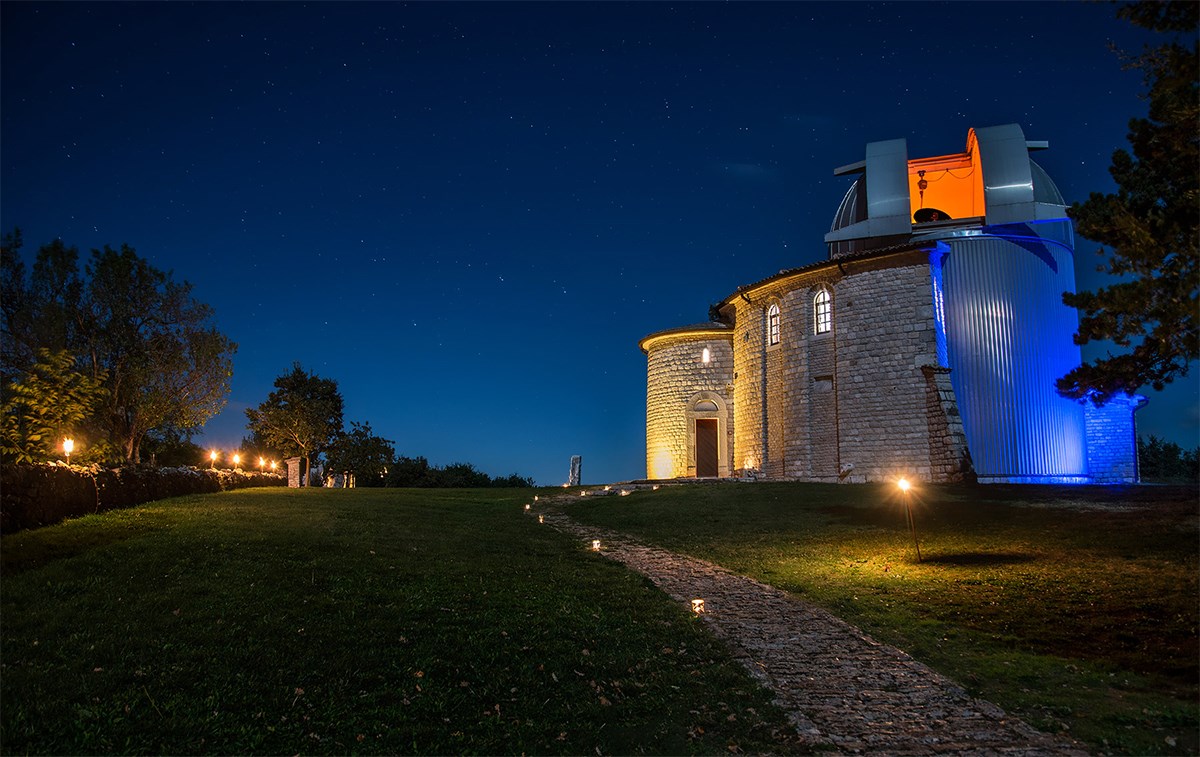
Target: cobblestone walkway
844	691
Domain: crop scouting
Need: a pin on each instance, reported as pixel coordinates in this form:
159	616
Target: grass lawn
359	621
1073	619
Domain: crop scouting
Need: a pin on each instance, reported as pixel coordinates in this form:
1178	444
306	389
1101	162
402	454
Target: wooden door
706	448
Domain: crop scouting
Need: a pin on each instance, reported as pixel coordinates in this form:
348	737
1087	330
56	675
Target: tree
256	446
130	325
1150	224
43	312
408	472
362	453
303	416
166	365
48	405
1166	462
171	446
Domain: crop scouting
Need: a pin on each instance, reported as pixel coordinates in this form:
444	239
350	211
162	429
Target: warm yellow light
535	498
526	508
68	446
595	545
903	484
274	465
213	457
698	606
541	519
236	459
262	463
582	493
654	488
607	488
663	465
624	493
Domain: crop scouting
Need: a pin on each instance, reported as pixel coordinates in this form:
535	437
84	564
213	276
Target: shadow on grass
979	558
35	548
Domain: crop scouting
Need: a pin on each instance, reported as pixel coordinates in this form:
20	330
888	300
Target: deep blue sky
468	214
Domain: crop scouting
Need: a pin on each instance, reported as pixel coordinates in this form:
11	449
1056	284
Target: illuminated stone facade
915	344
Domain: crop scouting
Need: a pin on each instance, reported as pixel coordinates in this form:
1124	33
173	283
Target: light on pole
68	446
912	524
212	456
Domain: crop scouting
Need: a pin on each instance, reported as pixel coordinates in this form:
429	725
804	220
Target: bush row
42	494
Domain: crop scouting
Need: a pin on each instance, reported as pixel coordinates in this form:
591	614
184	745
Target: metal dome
992	182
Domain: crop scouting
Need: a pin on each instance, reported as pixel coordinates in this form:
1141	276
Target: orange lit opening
954	184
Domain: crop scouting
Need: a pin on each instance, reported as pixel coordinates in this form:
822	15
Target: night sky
468	214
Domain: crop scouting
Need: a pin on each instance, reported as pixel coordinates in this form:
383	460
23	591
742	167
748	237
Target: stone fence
38	495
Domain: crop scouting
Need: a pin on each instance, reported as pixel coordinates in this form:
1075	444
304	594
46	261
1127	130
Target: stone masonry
849	404
677	380
1112	440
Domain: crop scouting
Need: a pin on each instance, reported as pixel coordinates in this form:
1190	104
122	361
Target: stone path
844	691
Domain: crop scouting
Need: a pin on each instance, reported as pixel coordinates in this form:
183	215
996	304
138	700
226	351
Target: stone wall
885	332
749	385
850	404
42	494
1112	440
676	379
949	459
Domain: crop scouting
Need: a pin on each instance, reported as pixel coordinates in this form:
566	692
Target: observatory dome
894	198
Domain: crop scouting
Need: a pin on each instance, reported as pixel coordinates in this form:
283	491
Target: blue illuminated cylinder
1008	337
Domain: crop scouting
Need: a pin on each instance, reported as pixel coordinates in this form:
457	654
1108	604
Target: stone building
926	345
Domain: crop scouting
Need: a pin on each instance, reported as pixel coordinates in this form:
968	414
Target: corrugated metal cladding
1008	338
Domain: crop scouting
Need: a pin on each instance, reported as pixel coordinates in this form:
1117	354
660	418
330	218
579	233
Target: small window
773	325
822	312
705	406
706	356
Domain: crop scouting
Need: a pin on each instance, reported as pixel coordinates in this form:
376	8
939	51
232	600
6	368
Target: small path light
212	456
912	524
237	459
595	545
68	446
698	606
526	508
262	463
541	519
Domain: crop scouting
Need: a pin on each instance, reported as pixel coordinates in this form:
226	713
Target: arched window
773	324
822	312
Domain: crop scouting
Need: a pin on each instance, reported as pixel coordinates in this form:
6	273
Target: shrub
42	494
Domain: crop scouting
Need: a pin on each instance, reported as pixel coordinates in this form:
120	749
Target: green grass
360	621
1074	620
